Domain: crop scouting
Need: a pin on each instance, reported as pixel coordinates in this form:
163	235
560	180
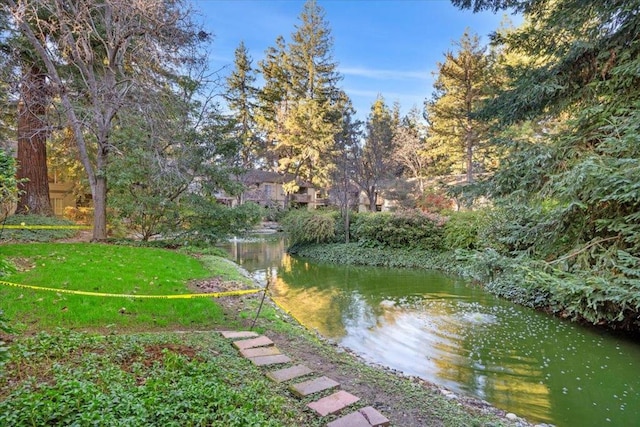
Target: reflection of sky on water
457	336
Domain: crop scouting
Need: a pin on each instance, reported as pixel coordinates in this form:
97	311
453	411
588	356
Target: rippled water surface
460	337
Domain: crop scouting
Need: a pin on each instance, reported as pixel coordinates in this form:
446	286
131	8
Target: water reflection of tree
260	254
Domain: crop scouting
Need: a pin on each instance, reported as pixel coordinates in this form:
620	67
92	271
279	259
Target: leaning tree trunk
32	150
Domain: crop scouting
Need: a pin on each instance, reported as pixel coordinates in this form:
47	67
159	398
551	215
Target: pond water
453	334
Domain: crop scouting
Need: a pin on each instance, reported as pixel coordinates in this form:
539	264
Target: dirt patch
155	354
212	285
22	264
82	236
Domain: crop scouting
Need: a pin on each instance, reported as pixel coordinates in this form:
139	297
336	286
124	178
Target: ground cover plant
55	228
105	269
138	380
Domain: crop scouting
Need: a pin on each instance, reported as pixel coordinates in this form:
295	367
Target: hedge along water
459	337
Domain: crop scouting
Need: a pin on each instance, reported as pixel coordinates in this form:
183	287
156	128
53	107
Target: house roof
260	177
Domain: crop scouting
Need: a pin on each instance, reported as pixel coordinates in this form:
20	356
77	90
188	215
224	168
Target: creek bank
406	400
588	300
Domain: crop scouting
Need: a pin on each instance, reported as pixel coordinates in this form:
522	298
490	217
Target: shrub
207	221
402	229
304	226
8	183
462	229
434	201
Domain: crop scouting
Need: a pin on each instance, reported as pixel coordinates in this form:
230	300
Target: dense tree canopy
580	88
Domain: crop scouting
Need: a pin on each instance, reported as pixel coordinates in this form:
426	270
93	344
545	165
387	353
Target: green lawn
106	269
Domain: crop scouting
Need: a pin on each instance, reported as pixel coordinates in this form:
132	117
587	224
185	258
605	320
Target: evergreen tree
456	135
241	98
274	99
581	83
375	162
33	131
28	77
313	70
300	104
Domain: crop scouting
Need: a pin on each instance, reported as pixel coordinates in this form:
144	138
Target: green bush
402	229
208	222
8	183
304	226
462	230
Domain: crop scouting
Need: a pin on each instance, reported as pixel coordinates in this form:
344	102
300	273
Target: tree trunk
469	143
372	199
32	148
100	208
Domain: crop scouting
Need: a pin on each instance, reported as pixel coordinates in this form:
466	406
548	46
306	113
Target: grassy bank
80	360
104	269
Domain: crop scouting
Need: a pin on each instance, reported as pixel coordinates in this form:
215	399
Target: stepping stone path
261	351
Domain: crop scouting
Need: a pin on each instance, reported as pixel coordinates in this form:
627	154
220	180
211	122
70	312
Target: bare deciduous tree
94	53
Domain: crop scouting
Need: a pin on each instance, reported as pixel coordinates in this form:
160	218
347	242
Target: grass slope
103	269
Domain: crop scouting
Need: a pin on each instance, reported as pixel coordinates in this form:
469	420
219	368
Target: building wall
61	195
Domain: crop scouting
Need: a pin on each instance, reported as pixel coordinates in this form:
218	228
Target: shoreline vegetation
475	246
66	358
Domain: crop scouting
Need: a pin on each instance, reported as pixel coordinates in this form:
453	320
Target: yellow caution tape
101	294
46	227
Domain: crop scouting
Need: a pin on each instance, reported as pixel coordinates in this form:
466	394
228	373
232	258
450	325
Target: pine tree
313	70
456	136
375	161
300	103
274	98
241	98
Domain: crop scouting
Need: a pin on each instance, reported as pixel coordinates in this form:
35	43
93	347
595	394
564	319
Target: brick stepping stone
313	386
334	403
261	341
286	374
238	334
270	360
260	351
365	417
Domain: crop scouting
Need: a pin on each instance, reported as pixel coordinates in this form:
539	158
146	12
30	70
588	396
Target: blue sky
387	47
